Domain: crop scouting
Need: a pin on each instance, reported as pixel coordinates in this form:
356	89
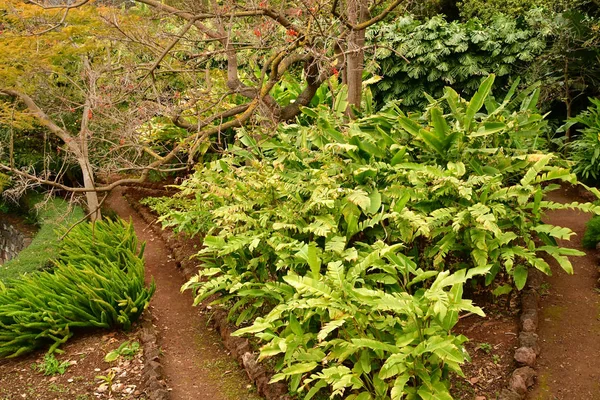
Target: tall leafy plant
584	151
343	246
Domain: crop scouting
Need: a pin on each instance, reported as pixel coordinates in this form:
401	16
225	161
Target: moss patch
55	216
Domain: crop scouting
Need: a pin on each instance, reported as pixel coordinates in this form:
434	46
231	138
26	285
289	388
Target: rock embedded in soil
529	321
527	373
525	356
529	339
521	380
508	394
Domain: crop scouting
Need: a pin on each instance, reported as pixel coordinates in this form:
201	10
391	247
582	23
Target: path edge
240	348
153	377
523	377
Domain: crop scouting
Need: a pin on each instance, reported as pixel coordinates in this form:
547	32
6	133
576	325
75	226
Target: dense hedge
425	56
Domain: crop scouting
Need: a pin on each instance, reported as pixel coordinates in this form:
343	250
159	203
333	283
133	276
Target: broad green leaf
477	101
308	111
400	382
535	169
112	356
301	368
336	244
360	198
315	389
314	261
502	290
439	123
409	126
254	328
375	345
520	276
375	202
488	128
328	328
295	326
554	231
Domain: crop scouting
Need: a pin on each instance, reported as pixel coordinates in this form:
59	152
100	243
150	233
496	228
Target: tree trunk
93	205
358	11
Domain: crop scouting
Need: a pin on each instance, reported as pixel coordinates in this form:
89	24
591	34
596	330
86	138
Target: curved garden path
195	365
569	326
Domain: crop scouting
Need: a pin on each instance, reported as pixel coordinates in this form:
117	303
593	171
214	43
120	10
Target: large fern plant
343	247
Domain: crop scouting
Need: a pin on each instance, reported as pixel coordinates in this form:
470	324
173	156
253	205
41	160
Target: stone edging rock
523	377
155	386
239	348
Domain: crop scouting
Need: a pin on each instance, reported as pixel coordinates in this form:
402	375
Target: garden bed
491	345
20	378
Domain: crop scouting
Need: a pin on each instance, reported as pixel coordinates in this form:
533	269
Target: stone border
239	348
155	386
523	377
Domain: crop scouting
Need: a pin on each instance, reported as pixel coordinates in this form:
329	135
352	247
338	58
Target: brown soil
20	379
569	328
195	364
492	342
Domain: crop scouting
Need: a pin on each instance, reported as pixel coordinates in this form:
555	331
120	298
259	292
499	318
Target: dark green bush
97	282
585	150
425	56
486	9
591	237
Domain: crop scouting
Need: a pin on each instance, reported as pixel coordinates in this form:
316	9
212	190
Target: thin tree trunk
93	205
358	11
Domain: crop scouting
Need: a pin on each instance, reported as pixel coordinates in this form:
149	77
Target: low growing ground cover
53	217
342	248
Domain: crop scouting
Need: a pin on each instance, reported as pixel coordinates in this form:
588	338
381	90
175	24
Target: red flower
292	32
257	32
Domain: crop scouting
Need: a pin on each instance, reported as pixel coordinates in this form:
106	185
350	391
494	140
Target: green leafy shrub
415	57
584	151
376	343
184	214
487	9
97	282
54	217
349	242
591	237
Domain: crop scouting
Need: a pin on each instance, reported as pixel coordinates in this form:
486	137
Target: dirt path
195	364
569	327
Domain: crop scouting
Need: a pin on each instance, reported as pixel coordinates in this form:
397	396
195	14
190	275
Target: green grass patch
53	217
